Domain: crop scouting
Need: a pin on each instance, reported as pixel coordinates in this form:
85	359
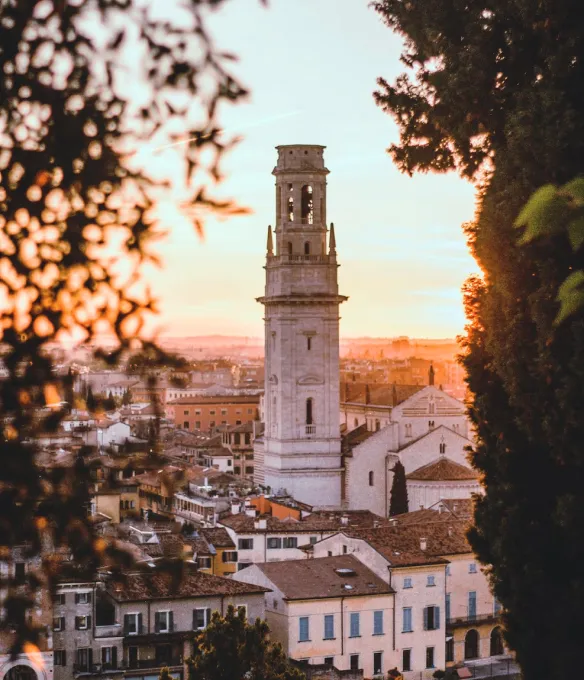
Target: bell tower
301	448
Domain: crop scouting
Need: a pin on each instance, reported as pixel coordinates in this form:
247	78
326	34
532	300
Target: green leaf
570	296
575	190
540	214
576	232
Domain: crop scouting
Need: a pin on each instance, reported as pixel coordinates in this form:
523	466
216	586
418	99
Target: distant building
208	413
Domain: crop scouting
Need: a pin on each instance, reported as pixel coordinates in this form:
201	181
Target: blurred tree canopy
85	87
494	92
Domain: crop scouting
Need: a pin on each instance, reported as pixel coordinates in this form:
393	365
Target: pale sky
311	66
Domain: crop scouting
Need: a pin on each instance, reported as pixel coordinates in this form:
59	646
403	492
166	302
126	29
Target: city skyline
403	258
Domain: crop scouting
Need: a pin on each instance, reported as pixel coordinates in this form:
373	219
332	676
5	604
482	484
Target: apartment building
208	413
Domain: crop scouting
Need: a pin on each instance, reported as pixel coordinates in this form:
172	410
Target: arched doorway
497	647
471	645
21	672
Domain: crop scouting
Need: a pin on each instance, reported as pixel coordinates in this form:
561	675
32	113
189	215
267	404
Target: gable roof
432	433
244	524
323	578
164	585
443	470
379	395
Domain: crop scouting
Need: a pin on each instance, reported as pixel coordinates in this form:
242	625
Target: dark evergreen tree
91	401
109	404
127	397
398	500
497	95
230	648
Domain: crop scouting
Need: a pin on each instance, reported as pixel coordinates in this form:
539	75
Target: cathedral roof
443	470
377	395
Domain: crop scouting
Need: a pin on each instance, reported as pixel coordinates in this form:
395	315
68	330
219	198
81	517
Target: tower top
300	158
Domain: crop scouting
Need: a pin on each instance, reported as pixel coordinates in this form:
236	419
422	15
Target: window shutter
126	623
436	618
114	657
76	598
224	556
194	619
62	622
89	597
170	621
207	616
425	618
88	622
139	624
157	622
77	622
89	658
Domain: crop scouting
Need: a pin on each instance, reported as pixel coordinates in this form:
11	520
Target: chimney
250	512
235	508
344	520
423	544
261	523
450	531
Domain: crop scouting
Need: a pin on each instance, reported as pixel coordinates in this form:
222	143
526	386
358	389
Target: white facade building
301	448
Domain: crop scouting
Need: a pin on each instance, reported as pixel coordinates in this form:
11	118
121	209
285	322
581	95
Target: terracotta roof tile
243	524
218	537
441	470
323	578
161	585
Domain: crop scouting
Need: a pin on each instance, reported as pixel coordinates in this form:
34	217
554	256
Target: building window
431	408
431	581
442	447
307	248
447	605
407	582
329	660
198	425
345	550
472	568
313	539
356	422
450	649
249	411
431	618
186	425
408	430
212	423
82	598
212	412
377	425
309	343
407	660
185	413
354	662
377	663
229	556
60	598
245	544
274	543
198	412
60	657
303	629
306	205
472	605
371	476
429	657
407	620
471	645
204	562
201	618
309	418
355	625
378	623
496	646
82	622
290	219
430	424
223	411
329	627
132	624
58	623
290	542
109	657
83	659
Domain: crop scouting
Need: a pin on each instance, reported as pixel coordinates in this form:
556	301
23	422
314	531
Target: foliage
90	401
496	94
165	674
230	648
127	397
89	90
110	404
398	503
549	210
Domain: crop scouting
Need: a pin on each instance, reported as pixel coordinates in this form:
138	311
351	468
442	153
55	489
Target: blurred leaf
570	296
540	214
575	190
576	232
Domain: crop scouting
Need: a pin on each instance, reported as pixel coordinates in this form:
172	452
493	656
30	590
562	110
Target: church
302	452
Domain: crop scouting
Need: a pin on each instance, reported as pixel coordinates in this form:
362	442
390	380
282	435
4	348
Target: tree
90	401
85	88
496	95
110	403
230	648
165	674
127	397
398	503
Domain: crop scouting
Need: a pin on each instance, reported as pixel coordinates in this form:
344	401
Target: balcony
147	664
95	668
471	620
109	630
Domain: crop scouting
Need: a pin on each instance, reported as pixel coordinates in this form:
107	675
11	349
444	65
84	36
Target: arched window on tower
442	447
307	248
306	205
278	204
290	209
371	476
289	247
309	414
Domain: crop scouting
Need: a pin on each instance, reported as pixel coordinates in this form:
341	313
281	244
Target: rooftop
244	524
443	470
164	585
324	577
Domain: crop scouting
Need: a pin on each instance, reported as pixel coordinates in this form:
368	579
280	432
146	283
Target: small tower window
306	203
309	343
371	478
290	209
289	247
307	248
442	447
309	417
431	407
